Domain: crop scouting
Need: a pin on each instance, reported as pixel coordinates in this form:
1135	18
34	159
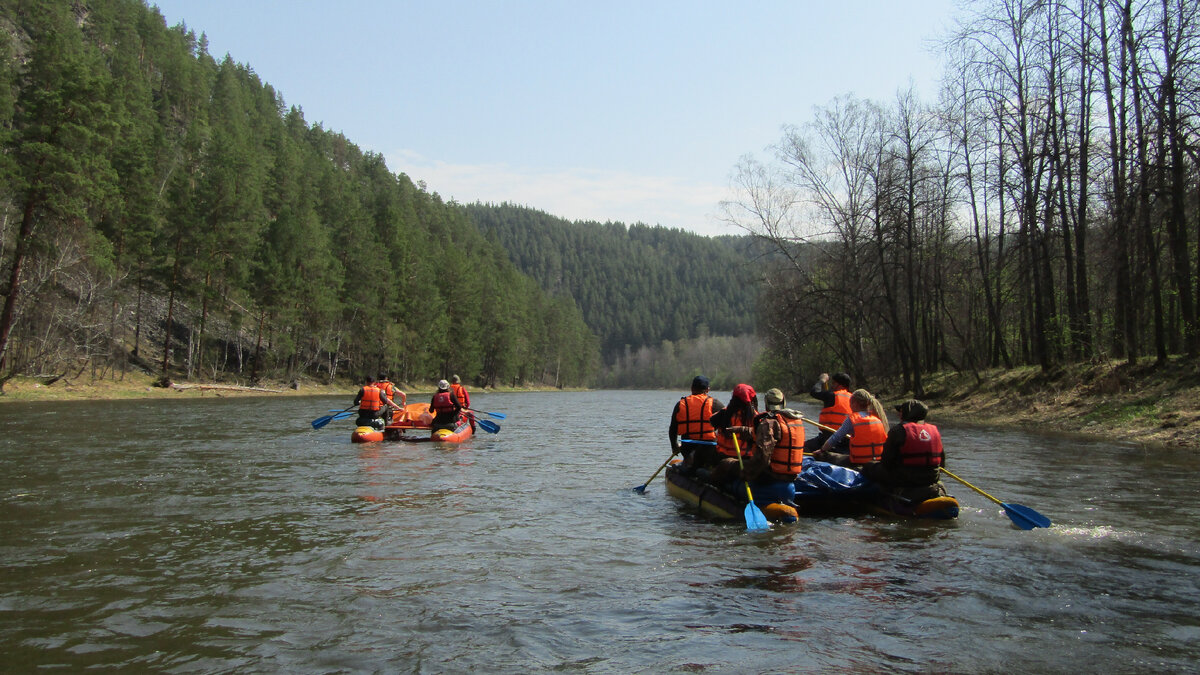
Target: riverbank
137	385
1143	403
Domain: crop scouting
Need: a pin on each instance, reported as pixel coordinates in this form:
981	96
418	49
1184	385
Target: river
226	535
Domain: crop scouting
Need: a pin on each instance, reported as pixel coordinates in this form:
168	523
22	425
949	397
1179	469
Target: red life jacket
691	418
922	445
442	402
725	439
788	453
866	441
834	415
370	400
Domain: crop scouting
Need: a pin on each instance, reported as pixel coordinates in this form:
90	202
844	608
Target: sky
612	110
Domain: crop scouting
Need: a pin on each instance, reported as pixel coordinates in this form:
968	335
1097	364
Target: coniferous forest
165	210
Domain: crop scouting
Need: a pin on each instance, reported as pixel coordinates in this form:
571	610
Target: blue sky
612	110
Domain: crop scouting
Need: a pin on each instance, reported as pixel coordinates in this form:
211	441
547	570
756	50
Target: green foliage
636	285
229	230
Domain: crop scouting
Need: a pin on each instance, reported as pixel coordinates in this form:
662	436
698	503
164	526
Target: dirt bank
1145	403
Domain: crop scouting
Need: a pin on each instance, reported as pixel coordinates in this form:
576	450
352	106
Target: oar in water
1021	516
755	520
487	425
641	489
322	421
498	416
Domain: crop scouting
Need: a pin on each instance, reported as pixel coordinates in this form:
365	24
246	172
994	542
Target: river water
226	535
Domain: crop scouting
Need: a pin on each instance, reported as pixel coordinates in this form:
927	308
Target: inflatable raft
413	424
822	489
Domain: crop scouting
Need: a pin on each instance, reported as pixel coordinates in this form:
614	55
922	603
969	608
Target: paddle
641	489
487	425
755	520
1021	516
819	425
498	416
322	421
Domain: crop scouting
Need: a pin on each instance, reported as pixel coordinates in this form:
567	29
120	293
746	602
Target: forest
635	285
164	210
1041	211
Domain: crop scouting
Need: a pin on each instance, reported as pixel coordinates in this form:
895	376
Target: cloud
574	194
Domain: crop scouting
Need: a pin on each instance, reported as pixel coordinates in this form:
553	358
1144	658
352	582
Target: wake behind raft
821	489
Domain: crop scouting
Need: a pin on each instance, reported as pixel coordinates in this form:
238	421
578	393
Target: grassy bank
1145	403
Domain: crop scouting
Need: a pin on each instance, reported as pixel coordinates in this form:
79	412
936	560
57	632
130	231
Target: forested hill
165	210
636	285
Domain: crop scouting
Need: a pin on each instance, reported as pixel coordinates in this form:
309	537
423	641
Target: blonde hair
865	398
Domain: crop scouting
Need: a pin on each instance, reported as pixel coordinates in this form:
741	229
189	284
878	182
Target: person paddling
734	420
834	395
864	432
912	455
689	421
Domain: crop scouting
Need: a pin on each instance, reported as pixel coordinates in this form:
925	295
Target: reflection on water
215	535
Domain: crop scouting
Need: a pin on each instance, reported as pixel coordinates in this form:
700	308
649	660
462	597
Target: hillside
635	285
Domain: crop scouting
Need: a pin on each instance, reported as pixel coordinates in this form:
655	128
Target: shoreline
1145	404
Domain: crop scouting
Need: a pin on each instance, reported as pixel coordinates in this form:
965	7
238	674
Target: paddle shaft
642	488
738	448
947	472
818	425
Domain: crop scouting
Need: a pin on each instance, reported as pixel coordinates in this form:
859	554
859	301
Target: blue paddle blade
1025	517
488	426
641	489
755	520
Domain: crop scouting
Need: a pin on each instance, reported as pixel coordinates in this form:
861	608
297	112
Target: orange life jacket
866	440
691	418
922	445
788	453
834	415
370	400
461	392
725	439
390	390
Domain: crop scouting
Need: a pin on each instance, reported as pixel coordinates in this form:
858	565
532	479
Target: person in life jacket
778	450
736	419
689	422
459	391
912	452
390	391
445	407
834	395
864	431
372	405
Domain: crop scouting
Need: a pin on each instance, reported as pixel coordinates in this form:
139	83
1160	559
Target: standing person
778	449
445	407
734	420
912	455
372	403
864	430
389	391
464	399
835	400
689	421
